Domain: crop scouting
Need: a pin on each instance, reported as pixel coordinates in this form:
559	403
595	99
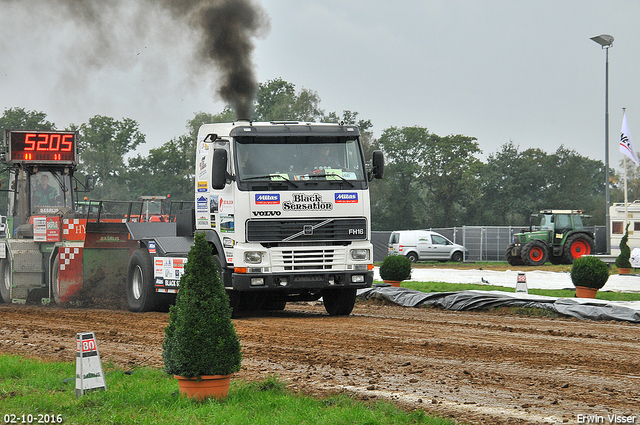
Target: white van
424	245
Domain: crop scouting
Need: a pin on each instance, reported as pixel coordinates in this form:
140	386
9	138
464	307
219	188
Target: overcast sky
517	70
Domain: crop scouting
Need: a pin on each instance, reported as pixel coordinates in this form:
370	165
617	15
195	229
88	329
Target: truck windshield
299	160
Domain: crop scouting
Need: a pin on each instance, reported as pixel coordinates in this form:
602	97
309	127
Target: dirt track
477	367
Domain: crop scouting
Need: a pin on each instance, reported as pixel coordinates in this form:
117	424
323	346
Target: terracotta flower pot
205	386
393	282
623	270
584	292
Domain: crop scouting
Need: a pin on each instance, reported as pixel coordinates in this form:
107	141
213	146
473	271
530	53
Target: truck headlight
360	254
253	257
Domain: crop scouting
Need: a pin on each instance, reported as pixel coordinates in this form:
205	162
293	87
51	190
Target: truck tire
413	257
141	294
576	246
5	280
535	253
513	261
339	302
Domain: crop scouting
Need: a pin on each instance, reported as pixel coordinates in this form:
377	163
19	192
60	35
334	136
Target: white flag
626	144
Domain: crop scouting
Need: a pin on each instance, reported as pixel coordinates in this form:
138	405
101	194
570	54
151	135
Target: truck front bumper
291	282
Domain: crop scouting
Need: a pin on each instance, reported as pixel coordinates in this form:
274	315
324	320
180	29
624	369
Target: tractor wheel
576	246
55	279
5	280
141	293
513	261
535	253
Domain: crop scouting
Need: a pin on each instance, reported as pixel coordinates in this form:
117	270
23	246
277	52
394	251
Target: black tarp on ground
481	300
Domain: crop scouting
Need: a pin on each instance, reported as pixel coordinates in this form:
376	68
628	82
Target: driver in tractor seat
44	194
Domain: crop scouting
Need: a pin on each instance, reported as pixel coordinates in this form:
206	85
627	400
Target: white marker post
89	375
521	284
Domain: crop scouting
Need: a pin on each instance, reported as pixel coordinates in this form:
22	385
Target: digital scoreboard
41	147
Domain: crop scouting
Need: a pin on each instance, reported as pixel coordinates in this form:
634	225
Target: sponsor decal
267	198
267	213
202	204
152	247
108	239
203	220
202	186
213	204
303	202
347	198
225	205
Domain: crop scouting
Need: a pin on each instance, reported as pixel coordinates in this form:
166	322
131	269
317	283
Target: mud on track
477	367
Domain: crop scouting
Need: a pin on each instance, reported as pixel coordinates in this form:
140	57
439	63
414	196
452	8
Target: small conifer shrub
200	338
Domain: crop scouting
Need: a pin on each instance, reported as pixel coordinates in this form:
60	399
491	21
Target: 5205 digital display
42	146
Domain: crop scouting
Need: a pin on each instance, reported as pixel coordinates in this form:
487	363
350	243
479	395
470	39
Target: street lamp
606	41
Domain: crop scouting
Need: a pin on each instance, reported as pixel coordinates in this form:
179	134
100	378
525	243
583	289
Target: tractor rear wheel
511	259
535	253
576	246
5	279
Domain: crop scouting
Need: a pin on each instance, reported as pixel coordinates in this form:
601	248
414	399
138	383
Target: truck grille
331	229
307	258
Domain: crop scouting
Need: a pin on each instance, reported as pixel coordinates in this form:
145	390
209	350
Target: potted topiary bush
622	262
201	348
394	269
589	274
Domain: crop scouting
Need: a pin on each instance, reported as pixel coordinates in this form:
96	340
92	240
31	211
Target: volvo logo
307	230
267	213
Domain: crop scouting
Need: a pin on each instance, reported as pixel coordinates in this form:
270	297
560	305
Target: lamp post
606	41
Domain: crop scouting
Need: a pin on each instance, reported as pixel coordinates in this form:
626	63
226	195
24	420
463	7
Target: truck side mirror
219	172
378	164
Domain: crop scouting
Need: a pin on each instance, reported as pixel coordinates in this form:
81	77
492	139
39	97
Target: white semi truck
285	207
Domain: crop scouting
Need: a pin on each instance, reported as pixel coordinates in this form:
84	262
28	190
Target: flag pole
624	165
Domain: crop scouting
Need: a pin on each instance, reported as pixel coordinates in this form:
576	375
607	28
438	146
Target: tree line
429	180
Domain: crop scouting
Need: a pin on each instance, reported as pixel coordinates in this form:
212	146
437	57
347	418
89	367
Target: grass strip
46	391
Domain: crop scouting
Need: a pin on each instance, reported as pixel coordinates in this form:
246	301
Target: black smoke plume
227	28
222	33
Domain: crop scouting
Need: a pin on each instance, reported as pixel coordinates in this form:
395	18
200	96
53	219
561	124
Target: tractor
561	239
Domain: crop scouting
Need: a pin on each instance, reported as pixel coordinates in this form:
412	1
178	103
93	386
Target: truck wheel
141	294
535	253
576	246
274	305
5	280
413	257
339	302
513	261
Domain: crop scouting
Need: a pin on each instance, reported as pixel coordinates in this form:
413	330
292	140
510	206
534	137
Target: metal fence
483	243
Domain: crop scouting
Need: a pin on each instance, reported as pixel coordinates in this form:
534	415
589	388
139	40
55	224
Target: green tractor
561	239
